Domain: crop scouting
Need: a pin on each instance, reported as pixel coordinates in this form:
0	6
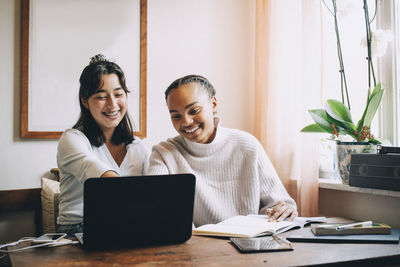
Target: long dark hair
205	84
90	81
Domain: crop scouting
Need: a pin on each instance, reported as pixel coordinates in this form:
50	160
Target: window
352	30
396	78
388	18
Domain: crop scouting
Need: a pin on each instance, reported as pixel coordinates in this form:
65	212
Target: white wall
214	38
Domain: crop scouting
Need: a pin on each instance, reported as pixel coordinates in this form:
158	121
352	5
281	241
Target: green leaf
374	141
350	126
361	122
339	121
343	131
342	124
313	128
372	107
321	118
376	90
348	132
338	111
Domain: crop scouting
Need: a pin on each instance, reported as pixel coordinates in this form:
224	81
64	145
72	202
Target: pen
367	223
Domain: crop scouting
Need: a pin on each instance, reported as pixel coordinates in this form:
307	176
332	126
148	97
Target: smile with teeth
191	130
111	114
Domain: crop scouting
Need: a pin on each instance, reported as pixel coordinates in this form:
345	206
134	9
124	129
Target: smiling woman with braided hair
234	175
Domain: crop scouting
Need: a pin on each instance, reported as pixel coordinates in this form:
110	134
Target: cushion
49	195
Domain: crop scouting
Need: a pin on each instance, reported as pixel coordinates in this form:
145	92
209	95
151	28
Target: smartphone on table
262	244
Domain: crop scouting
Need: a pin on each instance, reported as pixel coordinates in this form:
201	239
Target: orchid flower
379	41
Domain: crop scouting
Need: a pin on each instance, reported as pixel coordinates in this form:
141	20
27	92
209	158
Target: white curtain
288	82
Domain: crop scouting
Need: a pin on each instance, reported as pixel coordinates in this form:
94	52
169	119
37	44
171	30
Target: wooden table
206	251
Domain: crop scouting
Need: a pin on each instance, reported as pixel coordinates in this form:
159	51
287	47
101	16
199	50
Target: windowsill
335	185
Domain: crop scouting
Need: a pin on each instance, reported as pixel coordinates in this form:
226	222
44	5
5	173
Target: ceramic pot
344	150
327	159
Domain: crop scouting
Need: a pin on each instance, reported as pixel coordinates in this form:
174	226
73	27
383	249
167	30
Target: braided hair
205	84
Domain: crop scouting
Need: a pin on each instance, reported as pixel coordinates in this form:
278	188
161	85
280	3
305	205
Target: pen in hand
346	226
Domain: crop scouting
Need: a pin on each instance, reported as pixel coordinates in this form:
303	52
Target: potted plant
336	117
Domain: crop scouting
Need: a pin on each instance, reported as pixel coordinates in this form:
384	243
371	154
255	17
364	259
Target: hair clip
97	58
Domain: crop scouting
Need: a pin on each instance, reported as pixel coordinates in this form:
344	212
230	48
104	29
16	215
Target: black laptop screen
138	210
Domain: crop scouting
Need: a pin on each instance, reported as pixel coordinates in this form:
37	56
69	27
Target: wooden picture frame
28	64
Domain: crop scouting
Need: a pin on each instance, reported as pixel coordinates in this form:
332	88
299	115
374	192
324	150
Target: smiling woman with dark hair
101	143
234	175
90	81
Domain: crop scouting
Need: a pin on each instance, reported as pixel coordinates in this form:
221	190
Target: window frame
388	18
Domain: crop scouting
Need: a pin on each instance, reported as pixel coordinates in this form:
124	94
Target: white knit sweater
234	175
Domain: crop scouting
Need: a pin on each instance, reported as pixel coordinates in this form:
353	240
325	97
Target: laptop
137	211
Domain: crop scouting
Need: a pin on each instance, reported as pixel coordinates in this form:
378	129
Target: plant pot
344	150
327	159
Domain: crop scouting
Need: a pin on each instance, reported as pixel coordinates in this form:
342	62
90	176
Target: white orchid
344	8
379	41
336	117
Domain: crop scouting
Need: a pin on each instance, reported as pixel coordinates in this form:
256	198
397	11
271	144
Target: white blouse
78	160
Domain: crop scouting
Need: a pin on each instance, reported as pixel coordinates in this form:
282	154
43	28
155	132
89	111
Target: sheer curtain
288	82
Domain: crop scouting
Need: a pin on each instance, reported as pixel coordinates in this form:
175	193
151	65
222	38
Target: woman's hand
281	211
109	174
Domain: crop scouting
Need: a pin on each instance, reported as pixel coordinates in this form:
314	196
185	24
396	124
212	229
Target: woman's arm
75	157
157	165
275	200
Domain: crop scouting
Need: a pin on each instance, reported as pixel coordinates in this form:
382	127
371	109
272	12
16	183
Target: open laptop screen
138	210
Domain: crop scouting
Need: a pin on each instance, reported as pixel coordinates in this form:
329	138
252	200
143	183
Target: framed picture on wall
58	40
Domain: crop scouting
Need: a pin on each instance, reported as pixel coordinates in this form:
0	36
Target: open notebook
252	226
